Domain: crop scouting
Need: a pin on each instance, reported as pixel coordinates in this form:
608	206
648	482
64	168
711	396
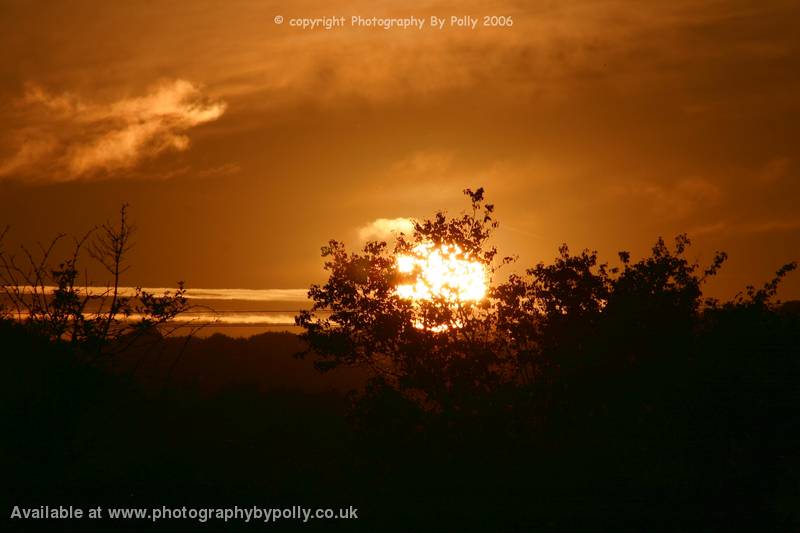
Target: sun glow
441	272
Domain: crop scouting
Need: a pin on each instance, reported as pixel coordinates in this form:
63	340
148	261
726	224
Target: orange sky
243	145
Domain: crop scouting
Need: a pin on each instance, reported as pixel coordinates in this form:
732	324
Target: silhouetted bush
577	396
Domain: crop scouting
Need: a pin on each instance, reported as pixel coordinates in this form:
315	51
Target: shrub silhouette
572	313
578	395
613	382
52	302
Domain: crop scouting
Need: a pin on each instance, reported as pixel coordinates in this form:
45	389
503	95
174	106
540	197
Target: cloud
676	200
66	138
253	295
774	225
774	170
384	228
30	150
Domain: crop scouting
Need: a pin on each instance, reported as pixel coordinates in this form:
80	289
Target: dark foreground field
704	440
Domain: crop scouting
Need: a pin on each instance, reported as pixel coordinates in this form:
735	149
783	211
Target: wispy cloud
207	318
31	150
675	200
250	295
767	225
384	228
774	170
67	138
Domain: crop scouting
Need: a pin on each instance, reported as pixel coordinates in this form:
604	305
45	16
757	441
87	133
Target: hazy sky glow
242	145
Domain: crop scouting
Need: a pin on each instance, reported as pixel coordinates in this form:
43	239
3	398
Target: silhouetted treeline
578	396
703	433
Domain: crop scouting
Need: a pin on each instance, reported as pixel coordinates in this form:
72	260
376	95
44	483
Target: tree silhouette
567	318
440	351
51	302
616	384
576	395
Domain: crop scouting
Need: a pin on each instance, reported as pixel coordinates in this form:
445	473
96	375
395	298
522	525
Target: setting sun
444	272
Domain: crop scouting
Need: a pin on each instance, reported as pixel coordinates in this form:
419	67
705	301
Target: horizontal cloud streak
250	295
224	318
